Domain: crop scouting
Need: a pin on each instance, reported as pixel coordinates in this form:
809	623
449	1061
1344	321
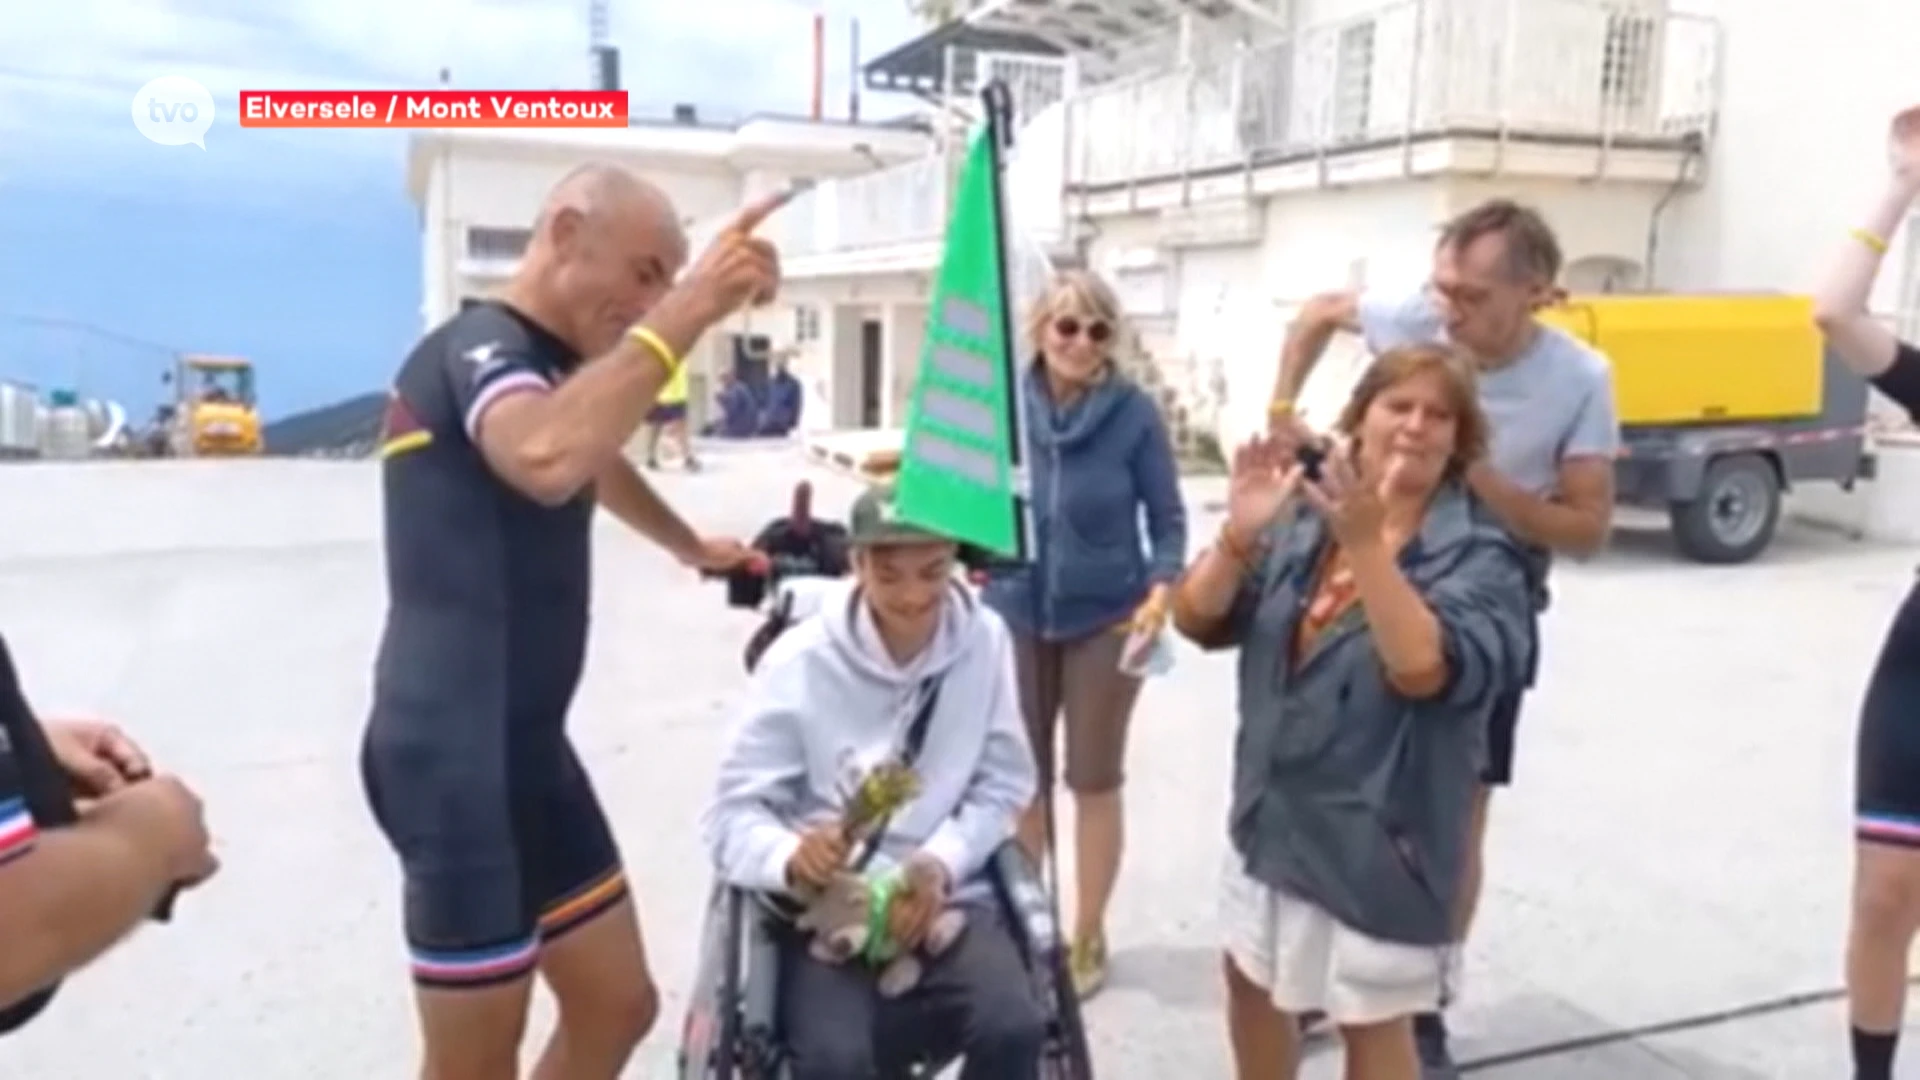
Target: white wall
1035	176
1799	153
507	192
903	336
481	188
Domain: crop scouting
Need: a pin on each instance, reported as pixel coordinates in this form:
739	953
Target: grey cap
875	520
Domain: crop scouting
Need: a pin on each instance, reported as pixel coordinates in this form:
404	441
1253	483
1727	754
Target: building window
1353	82
1626	61
488	242
806	324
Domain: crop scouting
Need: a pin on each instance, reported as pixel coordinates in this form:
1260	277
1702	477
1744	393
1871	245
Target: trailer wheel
1733	518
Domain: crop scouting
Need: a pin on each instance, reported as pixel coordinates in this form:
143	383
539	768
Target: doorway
872	372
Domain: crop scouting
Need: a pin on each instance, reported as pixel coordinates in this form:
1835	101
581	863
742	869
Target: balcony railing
901	204
1616	71
907	203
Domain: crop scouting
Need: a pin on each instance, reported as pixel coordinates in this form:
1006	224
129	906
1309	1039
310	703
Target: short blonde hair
1082	291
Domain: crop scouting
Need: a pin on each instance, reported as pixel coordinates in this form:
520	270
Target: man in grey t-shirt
1548	399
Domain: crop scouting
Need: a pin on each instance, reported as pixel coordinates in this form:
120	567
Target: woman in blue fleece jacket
1099	456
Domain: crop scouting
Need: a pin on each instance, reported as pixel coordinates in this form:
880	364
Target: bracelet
646	335
1280	407
1878	244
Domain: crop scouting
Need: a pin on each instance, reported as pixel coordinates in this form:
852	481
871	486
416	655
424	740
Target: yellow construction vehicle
1725	402
214	411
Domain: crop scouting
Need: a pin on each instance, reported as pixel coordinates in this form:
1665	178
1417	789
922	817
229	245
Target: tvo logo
174	110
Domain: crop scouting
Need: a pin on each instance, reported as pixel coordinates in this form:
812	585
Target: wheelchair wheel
1030	906
1068	1057
710	1034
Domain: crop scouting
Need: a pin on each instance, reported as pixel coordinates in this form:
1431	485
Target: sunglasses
1069	327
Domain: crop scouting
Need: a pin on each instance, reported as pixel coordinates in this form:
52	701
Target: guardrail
900	204
1609	71
908	203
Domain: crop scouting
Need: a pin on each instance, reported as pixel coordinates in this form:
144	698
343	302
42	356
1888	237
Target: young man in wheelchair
901	665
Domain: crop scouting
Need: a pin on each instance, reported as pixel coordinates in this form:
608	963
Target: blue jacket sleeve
1485	610
1157	478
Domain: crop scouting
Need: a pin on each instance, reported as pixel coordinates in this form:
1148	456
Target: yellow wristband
1280	407
1878	245
645	335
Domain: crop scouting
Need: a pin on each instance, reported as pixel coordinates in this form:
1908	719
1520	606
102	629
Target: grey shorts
1080	680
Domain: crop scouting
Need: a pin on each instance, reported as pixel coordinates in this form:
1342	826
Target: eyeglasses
1069	327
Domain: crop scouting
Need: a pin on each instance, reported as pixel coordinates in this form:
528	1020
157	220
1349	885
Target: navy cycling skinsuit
34	795
467	766
1887	769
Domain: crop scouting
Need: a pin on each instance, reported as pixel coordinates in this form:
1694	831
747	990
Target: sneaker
1314	1025
1087	964
1430	1039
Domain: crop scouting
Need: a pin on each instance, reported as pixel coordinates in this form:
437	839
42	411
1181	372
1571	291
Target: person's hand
1264	478
97	757
167	815
822	853
722	555
919	899
1151	615
1352	506
1287	430
1903	148
739	269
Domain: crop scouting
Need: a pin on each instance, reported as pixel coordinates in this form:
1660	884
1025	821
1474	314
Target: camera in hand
1311	456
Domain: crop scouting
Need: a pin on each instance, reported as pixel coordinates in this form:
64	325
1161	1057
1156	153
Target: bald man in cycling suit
505	428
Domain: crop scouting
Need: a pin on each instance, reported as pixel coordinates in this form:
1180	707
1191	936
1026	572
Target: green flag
960	467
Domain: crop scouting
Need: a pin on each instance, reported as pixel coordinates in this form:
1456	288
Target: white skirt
1307	961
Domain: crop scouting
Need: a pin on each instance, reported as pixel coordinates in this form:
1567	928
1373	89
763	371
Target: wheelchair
732	1029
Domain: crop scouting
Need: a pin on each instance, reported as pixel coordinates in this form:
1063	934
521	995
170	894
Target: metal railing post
1416	86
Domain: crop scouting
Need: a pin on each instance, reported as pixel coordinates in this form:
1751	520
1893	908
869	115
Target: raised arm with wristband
1886	883
551	445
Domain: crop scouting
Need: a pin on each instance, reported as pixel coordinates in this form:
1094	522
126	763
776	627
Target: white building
1222	160
479	190
1798	152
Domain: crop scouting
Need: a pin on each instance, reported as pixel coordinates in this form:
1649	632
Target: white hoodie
827	702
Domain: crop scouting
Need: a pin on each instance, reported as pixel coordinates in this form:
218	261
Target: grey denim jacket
1346	793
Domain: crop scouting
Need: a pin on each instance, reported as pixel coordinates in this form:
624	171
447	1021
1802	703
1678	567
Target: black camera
1311	455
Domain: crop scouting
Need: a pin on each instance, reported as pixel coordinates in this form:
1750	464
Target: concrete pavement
1678	844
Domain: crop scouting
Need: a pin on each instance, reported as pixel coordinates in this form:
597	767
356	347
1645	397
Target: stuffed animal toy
848	920
836	916
901	970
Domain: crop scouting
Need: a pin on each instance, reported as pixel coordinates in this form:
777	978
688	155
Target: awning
920	65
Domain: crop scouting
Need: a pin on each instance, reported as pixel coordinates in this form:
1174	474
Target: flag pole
998	106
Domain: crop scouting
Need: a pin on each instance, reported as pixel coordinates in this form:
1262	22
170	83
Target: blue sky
299	249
